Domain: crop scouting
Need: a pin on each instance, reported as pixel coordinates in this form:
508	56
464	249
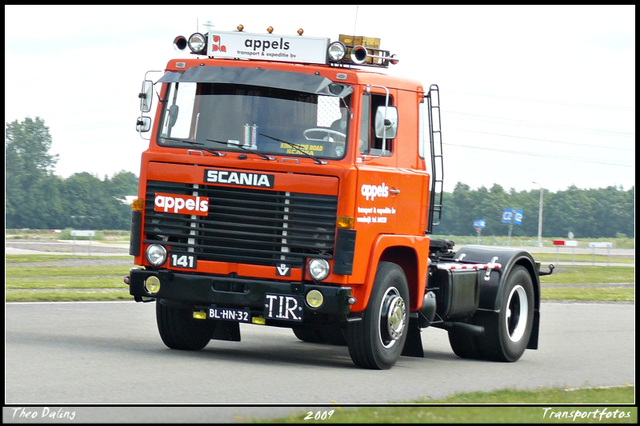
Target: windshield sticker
306	148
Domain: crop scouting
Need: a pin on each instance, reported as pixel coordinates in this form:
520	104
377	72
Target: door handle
394	191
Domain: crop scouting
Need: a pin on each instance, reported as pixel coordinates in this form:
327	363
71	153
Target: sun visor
171	77
307	83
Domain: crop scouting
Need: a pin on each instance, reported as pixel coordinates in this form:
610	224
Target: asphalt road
110	353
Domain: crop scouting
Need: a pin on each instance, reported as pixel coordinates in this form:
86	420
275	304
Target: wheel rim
516	313
393	317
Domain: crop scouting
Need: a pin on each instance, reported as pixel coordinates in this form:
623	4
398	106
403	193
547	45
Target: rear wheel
377	340
179	330
507	333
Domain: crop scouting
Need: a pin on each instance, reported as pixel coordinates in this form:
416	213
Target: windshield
227	117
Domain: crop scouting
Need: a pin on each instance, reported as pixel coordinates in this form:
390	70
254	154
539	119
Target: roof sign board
242	45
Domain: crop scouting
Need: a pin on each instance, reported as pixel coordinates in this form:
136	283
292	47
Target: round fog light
152	285
318	269
156	254
314	299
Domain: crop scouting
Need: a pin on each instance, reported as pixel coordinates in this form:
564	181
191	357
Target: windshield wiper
198	144
265	156
298	148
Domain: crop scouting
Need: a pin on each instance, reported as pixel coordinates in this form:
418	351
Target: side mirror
173	115
386	122
146	96
143	124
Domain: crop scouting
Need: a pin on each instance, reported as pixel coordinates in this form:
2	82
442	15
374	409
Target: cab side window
369	143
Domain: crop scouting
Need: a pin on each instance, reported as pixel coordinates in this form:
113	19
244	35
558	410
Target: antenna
355	22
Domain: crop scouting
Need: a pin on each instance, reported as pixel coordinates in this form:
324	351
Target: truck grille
251	226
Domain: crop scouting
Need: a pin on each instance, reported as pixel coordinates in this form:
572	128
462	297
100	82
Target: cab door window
369	143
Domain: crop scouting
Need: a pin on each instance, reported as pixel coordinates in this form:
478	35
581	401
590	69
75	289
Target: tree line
586	213
38	199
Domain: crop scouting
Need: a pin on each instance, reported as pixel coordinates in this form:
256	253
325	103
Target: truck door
378	179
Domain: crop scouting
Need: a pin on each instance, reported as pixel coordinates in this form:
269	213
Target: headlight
156	254
197	43
336	51
318	269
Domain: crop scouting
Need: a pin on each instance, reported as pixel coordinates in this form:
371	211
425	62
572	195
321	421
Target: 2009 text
319	415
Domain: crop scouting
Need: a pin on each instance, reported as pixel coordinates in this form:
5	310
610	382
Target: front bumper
230	291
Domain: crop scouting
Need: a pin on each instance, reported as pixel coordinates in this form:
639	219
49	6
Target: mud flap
227	330
413	344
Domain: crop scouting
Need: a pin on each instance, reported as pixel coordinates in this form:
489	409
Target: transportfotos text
597	414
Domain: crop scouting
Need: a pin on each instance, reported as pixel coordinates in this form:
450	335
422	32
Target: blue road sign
478	223
507	215
518	217
512	216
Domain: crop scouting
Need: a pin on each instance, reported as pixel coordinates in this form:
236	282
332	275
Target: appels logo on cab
181	204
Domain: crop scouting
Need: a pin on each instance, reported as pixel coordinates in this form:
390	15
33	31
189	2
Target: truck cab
290	182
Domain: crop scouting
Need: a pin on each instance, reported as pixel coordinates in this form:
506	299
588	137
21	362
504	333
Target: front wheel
507	333
179	330
377	340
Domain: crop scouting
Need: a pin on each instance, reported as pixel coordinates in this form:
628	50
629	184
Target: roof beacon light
270	30
240	27
300	31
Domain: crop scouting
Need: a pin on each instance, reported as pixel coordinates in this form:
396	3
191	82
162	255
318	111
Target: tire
179	330
376	341
507	333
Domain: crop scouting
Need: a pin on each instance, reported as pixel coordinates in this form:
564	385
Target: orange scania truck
290	182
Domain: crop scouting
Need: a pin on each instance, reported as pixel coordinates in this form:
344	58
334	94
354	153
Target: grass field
595	405
37	278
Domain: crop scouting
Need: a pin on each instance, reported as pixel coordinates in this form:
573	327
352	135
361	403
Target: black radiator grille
252	226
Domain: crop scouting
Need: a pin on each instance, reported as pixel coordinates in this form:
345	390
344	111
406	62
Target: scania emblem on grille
259	180
283	270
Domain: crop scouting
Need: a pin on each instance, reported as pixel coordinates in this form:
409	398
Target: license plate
283	307
228	314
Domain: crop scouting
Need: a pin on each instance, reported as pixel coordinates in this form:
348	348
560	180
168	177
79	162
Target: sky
531	96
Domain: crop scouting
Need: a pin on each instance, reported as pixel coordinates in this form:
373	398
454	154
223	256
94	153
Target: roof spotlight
197	43
337	50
